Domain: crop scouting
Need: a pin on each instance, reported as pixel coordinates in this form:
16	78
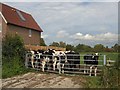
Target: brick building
15	21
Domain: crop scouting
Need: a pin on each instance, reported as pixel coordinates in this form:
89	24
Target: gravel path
38	80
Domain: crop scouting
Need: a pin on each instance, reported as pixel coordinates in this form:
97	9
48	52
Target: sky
85	22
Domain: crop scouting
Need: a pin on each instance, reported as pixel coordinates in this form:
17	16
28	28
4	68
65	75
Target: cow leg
54	66
59	68
85	69
63	68
95	71
32	62
90	70
43	67
35	64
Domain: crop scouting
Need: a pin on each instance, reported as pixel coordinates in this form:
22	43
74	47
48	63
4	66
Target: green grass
93	82
13	67
111	55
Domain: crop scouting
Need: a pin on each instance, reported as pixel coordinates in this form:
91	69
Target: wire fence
72	64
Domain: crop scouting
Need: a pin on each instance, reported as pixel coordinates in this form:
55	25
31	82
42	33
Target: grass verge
13	67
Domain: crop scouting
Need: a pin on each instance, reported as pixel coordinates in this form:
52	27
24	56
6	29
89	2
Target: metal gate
69	68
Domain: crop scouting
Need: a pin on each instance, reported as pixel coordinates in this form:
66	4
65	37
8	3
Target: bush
111	76
13	56
13	45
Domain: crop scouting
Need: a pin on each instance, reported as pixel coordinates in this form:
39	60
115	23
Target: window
30	33
20	15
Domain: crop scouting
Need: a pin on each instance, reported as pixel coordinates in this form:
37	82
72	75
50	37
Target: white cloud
98	37
88	37
44	36
59	0
80	36
62	34
107	37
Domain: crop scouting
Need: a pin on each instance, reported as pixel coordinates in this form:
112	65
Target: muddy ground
42	80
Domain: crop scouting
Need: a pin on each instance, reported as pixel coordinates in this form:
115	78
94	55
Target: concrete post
104	60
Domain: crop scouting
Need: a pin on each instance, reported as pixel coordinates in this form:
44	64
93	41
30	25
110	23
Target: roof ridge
15	8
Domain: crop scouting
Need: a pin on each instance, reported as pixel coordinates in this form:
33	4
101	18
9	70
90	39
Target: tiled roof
12	17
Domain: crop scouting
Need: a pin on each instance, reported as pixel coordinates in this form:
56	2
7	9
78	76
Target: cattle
92	60
34	56
37	59
73	59
49	54
55	60
59	60
62	61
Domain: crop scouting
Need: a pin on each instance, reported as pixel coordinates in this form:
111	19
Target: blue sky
75	22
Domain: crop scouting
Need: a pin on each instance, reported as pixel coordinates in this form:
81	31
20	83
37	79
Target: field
109	56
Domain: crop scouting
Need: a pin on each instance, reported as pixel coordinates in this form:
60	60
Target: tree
62	44
99	48
56	44
42	42
83	48
116	47
69	47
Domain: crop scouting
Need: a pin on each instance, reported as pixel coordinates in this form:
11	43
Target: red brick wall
23	32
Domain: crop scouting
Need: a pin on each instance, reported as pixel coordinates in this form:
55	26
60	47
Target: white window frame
30	33
20	15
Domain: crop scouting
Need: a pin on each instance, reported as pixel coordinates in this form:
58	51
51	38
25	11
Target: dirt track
37	80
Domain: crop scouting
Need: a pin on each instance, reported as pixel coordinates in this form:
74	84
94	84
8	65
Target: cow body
73	60
92	60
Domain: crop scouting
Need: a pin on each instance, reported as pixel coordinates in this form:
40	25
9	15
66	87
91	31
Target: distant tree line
83	47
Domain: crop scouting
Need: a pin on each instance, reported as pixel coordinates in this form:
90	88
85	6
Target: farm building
15	21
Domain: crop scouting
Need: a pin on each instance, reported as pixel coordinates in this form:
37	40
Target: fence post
26	61
104	59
